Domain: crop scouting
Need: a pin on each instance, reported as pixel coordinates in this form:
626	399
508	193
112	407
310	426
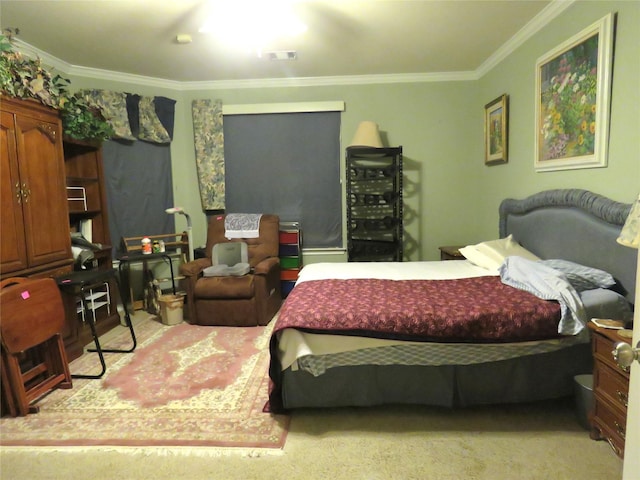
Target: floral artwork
572	114
568	102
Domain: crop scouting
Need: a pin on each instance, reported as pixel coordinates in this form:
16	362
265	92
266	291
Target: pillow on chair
238	270
228	259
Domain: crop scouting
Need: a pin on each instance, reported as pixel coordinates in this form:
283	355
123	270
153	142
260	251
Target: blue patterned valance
134	117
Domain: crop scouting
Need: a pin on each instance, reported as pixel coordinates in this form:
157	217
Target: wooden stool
33	318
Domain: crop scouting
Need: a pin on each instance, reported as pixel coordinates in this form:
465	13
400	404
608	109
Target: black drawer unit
374	204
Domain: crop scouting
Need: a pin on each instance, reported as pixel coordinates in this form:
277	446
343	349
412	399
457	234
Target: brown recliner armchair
248	300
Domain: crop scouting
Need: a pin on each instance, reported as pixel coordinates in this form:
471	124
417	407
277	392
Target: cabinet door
44	204
12	248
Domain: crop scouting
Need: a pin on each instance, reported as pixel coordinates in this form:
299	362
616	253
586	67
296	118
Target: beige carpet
541	441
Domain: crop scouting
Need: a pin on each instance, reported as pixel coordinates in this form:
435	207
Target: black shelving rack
374	204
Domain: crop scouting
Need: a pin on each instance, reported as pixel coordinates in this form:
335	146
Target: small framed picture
496	131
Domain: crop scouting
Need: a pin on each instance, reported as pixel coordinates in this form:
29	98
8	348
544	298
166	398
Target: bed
448	333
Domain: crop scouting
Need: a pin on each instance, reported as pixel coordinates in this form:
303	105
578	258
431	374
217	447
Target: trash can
171	309
583	390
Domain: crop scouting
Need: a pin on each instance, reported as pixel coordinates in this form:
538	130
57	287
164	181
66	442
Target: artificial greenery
23	77
82	121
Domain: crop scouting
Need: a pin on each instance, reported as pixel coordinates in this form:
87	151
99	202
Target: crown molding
99	74
537	23
551	11
330	81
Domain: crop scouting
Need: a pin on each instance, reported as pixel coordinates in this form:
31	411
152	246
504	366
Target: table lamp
624	353
367	135
630	234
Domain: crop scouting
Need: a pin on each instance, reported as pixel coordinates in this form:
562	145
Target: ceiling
344	37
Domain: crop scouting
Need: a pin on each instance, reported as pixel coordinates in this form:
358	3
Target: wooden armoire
35	220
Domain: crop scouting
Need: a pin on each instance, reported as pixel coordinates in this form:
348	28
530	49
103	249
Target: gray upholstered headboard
575	225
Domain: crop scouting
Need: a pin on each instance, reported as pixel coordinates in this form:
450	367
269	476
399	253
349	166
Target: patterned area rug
185	385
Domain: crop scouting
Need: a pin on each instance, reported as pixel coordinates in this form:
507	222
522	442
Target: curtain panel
209	148
138	180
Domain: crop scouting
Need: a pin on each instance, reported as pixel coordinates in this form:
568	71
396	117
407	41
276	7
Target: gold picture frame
496	131
573	89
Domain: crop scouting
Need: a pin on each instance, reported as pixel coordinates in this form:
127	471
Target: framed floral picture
573	87
496	131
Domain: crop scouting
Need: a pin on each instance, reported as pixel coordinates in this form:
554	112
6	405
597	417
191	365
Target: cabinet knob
26	191
620	429
623	398
624	354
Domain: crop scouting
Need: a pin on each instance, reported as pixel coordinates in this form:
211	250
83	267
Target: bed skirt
523	379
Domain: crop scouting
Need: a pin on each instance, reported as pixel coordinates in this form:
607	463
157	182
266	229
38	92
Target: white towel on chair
242	225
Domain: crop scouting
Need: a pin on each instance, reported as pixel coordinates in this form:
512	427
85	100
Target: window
287	163
139	188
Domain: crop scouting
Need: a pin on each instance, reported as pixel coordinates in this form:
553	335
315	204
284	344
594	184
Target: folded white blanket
242	225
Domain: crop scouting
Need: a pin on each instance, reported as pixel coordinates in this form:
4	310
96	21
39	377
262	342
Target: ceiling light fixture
282	55
252	24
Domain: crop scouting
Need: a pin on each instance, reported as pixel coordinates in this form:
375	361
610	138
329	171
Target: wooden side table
451	252
610	389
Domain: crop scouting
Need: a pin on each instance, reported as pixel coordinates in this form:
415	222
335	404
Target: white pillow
491	254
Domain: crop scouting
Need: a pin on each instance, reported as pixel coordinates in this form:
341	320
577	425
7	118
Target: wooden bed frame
575	225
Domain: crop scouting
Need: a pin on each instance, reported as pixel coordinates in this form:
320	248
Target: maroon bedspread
480	309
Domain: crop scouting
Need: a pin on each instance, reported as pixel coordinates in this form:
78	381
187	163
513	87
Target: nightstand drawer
602	348
611	384
610	425
610	388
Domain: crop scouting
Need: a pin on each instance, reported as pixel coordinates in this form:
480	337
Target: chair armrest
195	267
192	271
266	265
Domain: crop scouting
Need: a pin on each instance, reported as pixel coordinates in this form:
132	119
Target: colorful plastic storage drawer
287	286
289	250
290	262
288	237
289	274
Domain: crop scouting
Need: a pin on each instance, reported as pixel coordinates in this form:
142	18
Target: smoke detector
183	38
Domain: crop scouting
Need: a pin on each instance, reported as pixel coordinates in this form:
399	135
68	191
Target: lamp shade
367	135
630	234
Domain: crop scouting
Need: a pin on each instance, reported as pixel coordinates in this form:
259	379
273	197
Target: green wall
620	180
427	119
451	197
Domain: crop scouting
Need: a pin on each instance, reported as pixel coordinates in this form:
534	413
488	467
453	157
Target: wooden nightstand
451	253
610	388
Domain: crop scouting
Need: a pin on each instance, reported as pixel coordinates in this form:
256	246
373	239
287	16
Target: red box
291	274
289	237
